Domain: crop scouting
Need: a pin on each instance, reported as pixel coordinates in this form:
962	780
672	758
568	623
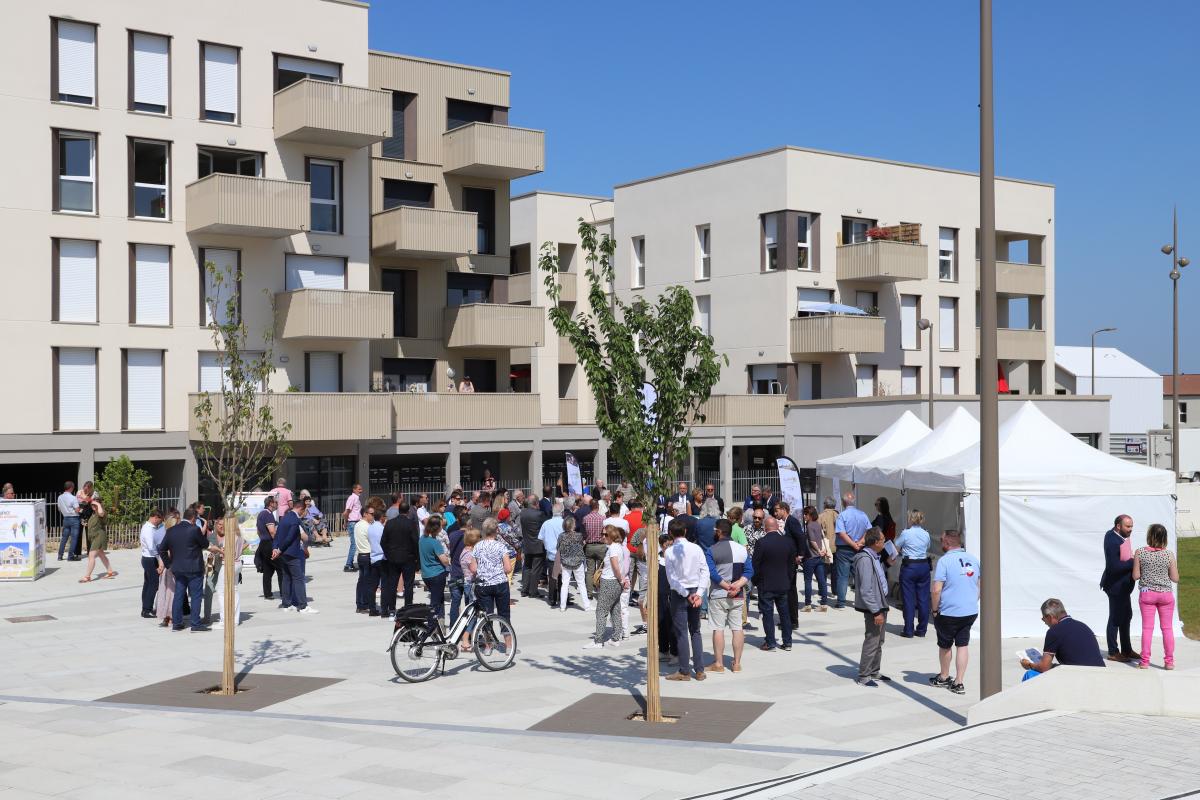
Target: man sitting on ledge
1070	640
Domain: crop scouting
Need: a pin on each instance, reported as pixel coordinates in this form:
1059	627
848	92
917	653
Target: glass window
228	162
704	313
325	178
704	233
76	172
402	283
150	169
406	193
802	243
854	229
639	261
483	203
771	241
393	147
464	112
408	375
465	289
947	250
289	69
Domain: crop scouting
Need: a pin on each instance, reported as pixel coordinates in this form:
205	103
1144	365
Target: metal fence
119	536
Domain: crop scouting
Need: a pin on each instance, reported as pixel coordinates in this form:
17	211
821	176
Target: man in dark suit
400	543
1117	583
184	545
793	529
774	563
681	499
289	549
530	521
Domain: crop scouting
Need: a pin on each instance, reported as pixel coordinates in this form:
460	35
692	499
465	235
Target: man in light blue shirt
68	507
913	544
551	529
852	525
955	606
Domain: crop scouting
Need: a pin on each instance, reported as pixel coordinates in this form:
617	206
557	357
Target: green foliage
121	487
621	347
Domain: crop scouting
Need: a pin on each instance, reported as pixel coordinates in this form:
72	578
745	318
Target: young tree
120	487
650	369
241	445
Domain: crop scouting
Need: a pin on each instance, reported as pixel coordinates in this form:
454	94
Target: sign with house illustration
22	540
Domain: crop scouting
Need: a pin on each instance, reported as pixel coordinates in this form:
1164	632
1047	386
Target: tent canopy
901	434
956	433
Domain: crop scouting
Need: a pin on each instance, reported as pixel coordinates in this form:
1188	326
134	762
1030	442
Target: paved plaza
467	732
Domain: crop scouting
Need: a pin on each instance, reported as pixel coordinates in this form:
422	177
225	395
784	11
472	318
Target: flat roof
386	54
559	194
1110	363
815	151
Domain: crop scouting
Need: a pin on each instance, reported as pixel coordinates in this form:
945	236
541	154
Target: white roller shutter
220	79
323	372
315	272
76	281
704	313
310	67
151	69
76	389
864	378
226	262
948	322
143	389
908	321
77	59
908	380
949	380
152	284
210	373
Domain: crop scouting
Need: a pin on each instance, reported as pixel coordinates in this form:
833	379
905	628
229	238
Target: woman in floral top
470	539
491	566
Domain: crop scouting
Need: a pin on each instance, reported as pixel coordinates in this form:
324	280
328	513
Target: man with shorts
730	570
955	606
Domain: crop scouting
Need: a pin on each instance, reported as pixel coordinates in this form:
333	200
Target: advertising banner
252	504
22	540
789	483
574	478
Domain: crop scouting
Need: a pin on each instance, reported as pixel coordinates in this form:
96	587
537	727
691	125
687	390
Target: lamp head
1183	262
924	324
1167	249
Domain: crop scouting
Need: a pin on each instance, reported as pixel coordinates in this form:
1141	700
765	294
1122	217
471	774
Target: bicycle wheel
413	660
494	642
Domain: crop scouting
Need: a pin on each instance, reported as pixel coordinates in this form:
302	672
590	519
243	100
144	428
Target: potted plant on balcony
877	234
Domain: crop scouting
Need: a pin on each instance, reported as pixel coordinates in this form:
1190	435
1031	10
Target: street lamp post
926	325
1177	263
1101	330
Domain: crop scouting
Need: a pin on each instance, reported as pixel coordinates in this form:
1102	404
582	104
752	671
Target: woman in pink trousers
1155	570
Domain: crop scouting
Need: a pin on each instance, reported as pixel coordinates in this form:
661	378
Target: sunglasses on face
758	519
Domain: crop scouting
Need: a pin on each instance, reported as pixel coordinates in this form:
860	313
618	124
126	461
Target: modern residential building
1134	391
1189	398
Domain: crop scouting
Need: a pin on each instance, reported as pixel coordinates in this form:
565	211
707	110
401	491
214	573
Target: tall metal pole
989	410
1098	330
930	420
1175	341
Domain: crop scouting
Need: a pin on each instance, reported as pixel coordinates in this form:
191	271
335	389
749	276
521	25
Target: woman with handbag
609	580
571	562
814	561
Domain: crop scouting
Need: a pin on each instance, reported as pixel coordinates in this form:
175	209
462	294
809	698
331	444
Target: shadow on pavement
269	651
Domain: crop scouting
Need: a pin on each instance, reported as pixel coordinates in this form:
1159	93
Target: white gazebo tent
902	434
1058	496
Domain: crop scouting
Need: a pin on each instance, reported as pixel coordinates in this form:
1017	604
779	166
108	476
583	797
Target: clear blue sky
1097	97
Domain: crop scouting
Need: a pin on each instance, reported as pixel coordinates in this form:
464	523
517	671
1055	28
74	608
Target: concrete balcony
320	112
744	409
423	232
1018	344
494	326
313	416
882	260
568	411
493	151
239	205
566	353
1019	279
830	333
478	410
333	314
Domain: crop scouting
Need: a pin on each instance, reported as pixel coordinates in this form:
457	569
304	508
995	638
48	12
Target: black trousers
149	583
368	580
793	597
268	568
552	583
1120	614
535	565
388	574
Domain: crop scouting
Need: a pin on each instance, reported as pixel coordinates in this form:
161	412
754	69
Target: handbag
596	577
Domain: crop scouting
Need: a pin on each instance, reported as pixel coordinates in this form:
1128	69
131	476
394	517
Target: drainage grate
38	618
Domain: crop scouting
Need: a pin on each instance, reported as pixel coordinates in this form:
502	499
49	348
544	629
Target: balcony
882	260
1019	279
1018	344
493	151
240	205
320	112
316	416
333	314
423	232
831	333
479	410
566	353
744	409
568	411
496	326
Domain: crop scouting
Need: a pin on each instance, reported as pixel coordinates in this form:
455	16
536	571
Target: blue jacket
287	536
1118	574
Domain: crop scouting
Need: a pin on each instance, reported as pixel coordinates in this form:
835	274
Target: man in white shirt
151	536
68	506
687	574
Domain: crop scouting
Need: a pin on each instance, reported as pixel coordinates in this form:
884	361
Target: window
398	145
948	323
910	380
75	389
807	299
75	179
150	285
405	374
864	378
289	70
142	395
228	162
947	254
867	301
1182	412
854	229
75	280
219	83
402	283
483	203
149	170
803	229
808	381
704	313
465	289
149	72
704	245
639	262
314	272
215	305
910	312
770	223
482	372
73	65
464	112
406	193
326	203
949	380
323	372
213	378
764	379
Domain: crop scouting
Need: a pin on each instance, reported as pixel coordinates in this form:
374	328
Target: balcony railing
494	326
423	232
240	205
493	151
333	314
335	114
882	260
478	410
568	411
831	333
744	409
1019	279
566	353
315	416
1019	344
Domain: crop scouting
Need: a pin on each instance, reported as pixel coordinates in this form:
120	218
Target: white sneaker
309	610
613	643
593	645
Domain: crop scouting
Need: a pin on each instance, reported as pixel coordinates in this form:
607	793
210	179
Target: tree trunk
653	698
228	615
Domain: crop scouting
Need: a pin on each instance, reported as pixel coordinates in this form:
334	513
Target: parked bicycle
421	645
